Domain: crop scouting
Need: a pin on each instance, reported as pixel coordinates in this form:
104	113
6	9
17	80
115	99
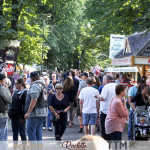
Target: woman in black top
59	105
70	91
16	112
141	98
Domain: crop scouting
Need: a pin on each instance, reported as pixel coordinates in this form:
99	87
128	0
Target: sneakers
50	129
44	128
98	128
81	129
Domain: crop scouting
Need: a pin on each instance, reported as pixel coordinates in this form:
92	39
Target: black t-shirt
18	102
71	94
76	84
57	104
139	100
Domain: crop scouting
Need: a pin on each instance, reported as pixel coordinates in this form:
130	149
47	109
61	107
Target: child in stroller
140	125
142	131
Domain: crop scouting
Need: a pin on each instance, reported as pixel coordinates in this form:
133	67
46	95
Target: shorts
89	119
78	109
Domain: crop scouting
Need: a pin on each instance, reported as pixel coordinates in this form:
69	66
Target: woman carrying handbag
59	105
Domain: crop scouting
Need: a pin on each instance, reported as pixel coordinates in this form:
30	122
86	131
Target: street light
48	15
79	63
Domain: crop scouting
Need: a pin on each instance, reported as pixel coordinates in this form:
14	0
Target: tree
64	32
20	21
113	17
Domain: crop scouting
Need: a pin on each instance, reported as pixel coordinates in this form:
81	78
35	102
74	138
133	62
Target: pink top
116	116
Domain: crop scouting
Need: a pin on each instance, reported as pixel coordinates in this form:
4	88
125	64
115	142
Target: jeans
34	128
49	123
130	126
116	136
17	126
71	111
60	126
3	133
103	132
3	129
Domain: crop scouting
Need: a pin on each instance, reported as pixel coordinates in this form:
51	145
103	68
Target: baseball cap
84	74
34	74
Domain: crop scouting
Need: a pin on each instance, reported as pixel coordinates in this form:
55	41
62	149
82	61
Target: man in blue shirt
104	82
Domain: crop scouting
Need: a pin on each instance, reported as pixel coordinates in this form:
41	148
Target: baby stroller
137	127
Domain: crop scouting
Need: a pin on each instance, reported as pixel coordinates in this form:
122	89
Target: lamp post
79	64
47	16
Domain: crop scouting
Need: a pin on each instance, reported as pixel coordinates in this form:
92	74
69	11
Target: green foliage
78	30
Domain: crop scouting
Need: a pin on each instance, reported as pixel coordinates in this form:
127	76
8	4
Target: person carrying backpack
35	107
5	99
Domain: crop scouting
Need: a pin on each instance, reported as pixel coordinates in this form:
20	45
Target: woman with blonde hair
59	105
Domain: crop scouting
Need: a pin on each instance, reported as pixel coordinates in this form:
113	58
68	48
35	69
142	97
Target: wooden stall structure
8	56
135	53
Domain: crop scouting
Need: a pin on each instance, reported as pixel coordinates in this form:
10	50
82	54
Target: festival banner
117	43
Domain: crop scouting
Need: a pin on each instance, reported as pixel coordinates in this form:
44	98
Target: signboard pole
132	61
143	70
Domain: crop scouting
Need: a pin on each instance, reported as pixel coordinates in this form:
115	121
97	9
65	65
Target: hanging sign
9	68
126	61
117	43
141	61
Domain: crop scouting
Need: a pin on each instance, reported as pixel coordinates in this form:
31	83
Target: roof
139	45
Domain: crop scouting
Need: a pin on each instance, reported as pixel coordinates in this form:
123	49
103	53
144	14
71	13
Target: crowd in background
96	100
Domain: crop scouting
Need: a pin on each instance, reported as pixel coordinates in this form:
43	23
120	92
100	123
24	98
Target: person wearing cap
5	99
35	108
81	86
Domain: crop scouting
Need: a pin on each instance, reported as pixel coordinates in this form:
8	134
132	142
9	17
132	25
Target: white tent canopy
30	68
121	69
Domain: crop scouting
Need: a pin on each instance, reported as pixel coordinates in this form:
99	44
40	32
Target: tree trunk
1	7
15	14
1	10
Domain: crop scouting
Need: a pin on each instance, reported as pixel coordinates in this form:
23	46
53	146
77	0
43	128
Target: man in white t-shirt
108	92
89	106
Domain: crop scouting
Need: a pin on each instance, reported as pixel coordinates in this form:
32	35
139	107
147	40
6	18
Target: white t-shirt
108	92
89	101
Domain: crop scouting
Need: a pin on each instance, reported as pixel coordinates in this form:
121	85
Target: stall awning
121	69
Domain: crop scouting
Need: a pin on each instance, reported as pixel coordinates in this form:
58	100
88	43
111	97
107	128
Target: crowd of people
34	102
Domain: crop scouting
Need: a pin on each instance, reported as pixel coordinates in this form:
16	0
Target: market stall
136	52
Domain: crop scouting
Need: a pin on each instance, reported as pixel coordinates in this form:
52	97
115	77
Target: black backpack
42	100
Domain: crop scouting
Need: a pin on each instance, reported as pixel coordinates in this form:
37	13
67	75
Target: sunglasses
58	88
16	83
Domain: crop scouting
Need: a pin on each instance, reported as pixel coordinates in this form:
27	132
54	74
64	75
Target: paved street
70	133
